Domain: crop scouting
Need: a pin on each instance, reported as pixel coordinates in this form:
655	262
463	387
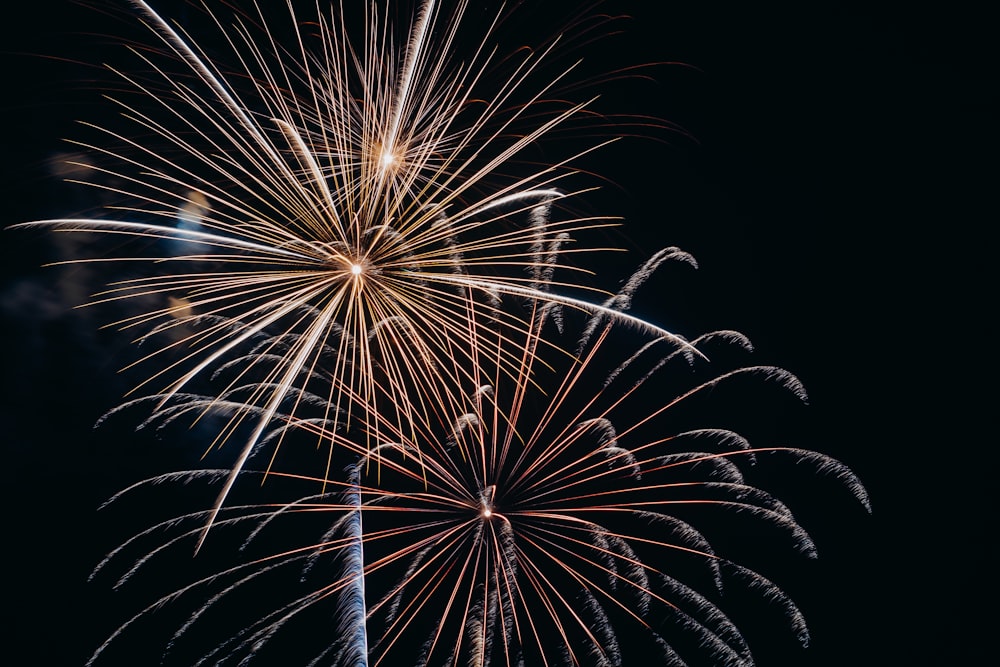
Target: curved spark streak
413	51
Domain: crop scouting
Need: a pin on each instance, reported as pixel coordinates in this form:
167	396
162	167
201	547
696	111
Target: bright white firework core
487	513
356	269
388	160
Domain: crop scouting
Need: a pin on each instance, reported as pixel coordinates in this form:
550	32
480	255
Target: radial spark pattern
344	186
533	528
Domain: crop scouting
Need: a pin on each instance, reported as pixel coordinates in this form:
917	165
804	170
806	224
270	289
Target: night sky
831	182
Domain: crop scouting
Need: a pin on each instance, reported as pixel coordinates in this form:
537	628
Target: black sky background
838	201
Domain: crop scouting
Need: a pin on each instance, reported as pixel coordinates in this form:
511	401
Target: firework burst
537	527
348	189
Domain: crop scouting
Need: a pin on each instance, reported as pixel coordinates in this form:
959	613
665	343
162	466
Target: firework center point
356	269
487	513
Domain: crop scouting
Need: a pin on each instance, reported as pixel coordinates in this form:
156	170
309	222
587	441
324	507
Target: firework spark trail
348	178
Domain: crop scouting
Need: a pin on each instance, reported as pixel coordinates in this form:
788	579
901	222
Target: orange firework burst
336	186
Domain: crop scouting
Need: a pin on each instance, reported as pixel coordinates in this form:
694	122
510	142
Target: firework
348	189
365	264
535	528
